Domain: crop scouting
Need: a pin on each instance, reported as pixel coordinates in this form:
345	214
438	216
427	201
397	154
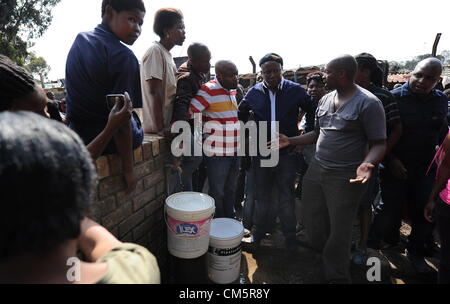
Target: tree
37	66
446	55
21	21
409	65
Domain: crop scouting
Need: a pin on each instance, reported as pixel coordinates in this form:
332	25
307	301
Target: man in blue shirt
99	64
277	100
403	174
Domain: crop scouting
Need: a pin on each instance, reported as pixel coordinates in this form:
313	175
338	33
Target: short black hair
123	5
196	49
317	76
166	18
46	178
15	83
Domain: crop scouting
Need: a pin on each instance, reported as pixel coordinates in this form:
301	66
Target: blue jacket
290	99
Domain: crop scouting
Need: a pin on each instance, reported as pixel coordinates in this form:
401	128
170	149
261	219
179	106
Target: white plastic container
188	218
224	254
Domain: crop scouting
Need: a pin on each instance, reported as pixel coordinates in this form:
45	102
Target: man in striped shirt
216	100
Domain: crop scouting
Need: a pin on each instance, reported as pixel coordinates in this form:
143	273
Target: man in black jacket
190	77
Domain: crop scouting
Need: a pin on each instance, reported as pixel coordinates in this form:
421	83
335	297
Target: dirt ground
271	263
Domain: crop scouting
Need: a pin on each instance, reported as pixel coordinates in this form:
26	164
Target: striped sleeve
201	101
390	108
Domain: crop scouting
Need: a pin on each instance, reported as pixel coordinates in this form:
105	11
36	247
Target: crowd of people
360	148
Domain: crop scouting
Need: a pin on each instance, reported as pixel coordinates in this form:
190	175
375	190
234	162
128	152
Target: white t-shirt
158	63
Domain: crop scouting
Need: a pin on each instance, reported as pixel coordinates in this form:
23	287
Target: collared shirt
389	104
98	64
273	110
289	99
424	120
220	113
345	133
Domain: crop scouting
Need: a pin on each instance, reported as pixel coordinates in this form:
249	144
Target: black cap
271	57
369	60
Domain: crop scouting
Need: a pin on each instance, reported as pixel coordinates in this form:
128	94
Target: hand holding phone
113	99
121	109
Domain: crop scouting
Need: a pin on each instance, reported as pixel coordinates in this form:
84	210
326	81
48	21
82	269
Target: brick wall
139	216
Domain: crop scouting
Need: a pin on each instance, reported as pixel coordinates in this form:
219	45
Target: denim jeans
442	216
222	175
283	176
249	202
329	207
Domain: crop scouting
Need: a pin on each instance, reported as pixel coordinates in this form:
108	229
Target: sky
304	33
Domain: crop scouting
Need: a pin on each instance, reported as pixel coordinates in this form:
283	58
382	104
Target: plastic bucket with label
224	254
188	218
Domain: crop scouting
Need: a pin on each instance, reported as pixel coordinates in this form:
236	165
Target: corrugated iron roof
398	77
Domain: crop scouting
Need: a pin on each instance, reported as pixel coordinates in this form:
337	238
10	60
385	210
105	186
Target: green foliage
37	66
21	21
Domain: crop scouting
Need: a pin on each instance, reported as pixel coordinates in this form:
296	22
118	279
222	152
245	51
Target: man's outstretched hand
363	173
281	142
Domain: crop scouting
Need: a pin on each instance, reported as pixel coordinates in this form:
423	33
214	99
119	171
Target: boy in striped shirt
216	100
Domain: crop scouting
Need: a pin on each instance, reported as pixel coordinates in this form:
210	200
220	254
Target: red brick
110	186
138	155
153	179
161	188
147	151
141	230
155	148
141	170
115	164
131	222
115	231
117	216
122	196
154	205
103	207
144	198
102	167
127	238
143	241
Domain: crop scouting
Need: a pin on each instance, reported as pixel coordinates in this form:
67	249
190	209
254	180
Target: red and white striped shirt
220	116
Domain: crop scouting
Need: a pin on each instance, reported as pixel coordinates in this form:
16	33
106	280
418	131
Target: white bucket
224	254
188	218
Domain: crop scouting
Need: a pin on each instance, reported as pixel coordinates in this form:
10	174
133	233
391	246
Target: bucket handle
167	224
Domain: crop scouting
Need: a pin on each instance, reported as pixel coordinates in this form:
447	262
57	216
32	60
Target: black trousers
395	194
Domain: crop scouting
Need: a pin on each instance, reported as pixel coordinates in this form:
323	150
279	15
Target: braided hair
15	83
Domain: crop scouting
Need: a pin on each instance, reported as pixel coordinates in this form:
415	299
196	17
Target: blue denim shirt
424	121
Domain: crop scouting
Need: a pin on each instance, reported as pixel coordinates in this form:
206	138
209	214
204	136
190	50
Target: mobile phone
112	99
